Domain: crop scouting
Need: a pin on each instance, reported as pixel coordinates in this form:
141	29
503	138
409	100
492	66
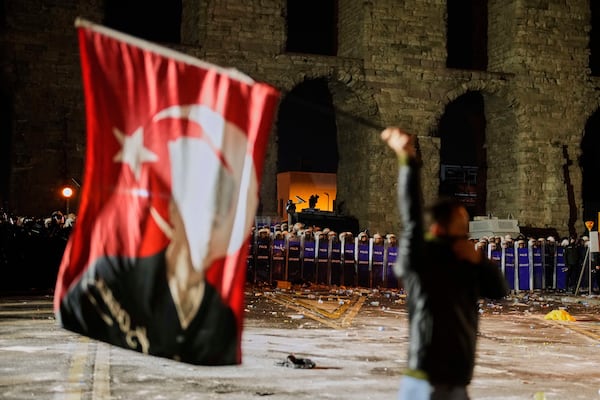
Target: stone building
503	95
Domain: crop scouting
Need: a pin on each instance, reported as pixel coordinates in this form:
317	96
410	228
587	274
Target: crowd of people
31	249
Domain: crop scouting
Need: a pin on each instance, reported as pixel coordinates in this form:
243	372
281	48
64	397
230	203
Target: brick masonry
390	69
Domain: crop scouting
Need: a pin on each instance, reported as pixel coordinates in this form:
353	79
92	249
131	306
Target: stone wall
40	68
390	69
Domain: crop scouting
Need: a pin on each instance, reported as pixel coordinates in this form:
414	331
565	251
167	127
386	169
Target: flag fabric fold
175	150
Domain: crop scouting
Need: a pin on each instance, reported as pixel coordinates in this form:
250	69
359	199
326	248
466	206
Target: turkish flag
175	150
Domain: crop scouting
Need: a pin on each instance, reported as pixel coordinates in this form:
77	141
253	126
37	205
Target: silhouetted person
445	277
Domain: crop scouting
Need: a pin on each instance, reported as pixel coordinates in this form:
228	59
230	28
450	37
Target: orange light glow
301	185
67	192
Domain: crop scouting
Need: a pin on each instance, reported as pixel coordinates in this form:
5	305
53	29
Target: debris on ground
294	307
294	362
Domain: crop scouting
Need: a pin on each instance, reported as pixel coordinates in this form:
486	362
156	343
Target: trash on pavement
293	362
559	315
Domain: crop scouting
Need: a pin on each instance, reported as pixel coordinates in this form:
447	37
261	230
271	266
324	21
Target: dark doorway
306	129
153	20
463	157
590	169
312	27
466	34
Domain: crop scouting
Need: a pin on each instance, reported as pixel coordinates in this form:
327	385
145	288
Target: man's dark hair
442	209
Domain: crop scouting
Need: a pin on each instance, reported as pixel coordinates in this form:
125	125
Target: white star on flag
133	152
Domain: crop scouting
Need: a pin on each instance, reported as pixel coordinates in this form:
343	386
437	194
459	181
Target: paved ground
356	338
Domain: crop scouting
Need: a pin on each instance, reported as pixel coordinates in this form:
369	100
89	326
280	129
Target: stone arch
463	156
501	142
305	128
357	123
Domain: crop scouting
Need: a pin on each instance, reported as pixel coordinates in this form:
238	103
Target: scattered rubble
260	304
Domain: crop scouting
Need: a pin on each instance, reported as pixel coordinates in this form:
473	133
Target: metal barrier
328	262
532	267
365	264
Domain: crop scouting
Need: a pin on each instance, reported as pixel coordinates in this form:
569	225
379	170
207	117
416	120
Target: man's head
263	233
392	240
363	237
58	218
449	218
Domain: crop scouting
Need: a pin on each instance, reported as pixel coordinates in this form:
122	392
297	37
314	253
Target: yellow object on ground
559	315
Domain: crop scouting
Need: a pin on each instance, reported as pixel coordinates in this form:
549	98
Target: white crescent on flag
219	212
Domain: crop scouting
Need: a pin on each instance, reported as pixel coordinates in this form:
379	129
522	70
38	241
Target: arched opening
306	129
466	34
590	169
312	27
156	20
307	158
463	156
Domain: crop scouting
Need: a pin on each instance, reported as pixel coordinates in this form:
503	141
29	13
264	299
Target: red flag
175	150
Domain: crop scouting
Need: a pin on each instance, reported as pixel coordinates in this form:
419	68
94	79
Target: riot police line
338	261
541	266
328	261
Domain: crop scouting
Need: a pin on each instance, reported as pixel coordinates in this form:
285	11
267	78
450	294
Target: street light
67	193
327	194
589	225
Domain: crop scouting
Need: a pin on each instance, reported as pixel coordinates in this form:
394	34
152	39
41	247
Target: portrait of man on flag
175	147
